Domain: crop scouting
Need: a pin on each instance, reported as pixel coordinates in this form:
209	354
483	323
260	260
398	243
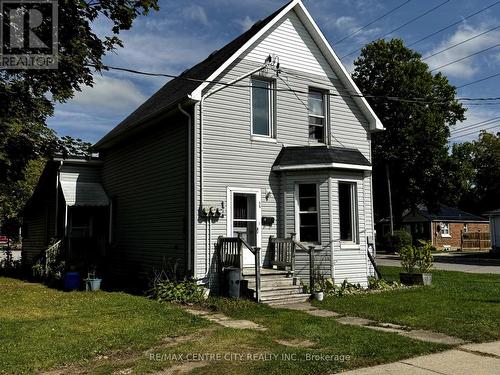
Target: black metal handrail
309	250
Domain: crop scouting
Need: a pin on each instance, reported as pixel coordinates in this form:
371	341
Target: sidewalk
481	359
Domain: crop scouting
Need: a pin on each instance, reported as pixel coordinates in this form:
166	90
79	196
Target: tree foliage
27	97
414	144
475	173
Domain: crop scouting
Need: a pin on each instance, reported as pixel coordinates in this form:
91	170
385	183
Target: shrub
399	239
417	258
186	291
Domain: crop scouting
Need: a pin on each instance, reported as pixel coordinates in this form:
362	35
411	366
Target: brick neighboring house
444	228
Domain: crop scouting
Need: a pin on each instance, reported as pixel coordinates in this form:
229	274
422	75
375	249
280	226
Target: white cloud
466	68
196	13
245	23
109	94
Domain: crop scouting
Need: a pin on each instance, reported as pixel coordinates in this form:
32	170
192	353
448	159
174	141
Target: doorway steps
277	287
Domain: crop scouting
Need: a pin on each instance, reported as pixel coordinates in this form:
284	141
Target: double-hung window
445	230
308	215
348	213
262	107
317	115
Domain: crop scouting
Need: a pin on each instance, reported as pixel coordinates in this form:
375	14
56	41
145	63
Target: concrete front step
285	299
280	292
274	283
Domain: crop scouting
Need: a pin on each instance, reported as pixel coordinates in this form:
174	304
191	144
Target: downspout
189	192
56	229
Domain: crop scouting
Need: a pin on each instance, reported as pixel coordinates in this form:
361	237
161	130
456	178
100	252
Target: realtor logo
28	34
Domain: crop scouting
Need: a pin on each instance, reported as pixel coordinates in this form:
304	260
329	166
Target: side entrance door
244	219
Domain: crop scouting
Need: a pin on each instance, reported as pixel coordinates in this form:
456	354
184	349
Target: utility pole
390	197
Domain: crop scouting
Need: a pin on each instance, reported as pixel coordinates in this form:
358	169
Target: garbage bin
233	278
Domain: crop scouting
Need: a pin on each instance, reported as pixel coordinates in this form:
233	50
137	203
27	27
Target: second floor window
317	117
262	108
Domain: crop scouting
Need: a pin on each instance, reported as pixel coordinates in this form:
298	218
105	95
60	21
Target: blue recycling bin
72	281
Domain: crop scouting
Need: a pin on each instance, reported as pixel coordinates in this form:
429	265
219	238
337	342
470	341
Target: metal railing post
257	274
311	268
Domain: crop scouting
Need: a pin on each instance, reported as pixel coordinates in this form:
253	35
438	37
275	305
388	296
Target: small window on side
317	115
262	107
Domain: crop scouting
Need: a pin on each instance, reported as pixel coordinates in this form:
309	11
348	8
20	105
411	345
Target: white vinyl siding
232	158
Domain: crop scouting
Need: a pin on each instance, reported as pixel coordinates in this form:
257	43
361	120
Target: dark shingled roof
303	155
446	213
179	88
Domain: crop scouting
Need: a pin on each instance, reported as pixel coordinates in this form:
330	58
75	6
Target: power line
465	57
479	80
371	22
477	123
455	132
453	24
351	95
462	42
473	132
403	25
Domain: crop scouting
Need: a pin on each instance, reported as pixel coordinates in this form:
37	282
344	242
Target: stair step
272	283
264	272
285	299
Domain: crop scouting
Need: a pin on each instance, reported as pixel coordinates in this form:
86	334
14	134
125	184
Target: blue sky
185	32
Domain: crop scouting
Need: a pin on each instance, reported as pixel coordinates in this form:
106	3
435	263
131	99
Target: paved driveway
462	262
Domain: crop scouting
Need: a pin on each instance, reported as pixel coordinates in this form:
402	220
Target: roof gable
193	81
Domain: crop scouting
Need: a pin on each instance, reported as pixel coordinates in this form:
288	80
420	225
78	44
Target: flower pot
416	278
92	284
318	296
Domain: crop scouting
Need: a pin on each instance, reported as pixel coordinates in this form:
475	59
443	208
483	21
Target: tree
414	144
27	97
475	173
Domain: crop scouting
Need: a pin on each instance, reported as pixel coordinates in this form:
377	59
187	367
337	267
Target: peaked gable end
293	44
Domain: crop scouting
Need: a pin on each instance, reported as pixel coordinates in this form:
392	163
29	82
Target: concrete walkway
226	321
469	359
416	334
461	262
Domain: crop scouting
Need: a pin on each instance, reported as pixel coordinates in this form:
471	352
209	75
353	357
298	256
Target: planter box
415	278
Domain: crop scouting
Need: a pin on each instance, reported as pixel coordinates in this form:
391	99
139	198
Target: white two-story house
266	137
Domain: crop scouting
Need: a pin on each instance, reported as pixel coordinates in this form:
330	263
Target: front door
244	219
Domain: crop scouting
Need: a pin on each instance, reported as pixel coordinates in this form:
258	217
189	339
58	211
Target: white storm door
244	219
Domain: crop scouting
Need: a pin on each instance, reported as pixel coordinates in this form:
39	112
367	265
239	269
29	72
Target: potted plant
92	282
319	285
416	261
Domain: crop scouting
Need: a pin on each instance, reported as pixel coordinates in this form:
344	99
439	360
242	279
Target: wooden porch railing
283	253
310	251
230	253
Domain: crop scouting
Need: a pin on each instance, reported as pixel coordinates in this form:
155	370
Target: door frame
258	210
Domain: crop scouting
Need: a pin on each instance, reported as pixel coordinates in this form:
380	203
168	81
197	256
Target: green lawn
102	333
41	327
460	304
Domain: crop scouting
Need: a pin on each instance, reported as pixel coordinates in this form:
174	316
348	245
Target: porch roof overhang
320	157
78	193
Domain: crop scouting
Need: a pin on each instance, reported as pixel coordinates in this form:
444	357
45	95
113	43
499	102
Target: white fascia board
326	49
197	94
338	67
301	167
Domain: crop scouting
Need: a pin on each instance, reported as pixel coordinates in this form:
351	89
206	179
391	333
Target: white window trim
445	235
272	106
355	243
229	203
326	109
297	210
